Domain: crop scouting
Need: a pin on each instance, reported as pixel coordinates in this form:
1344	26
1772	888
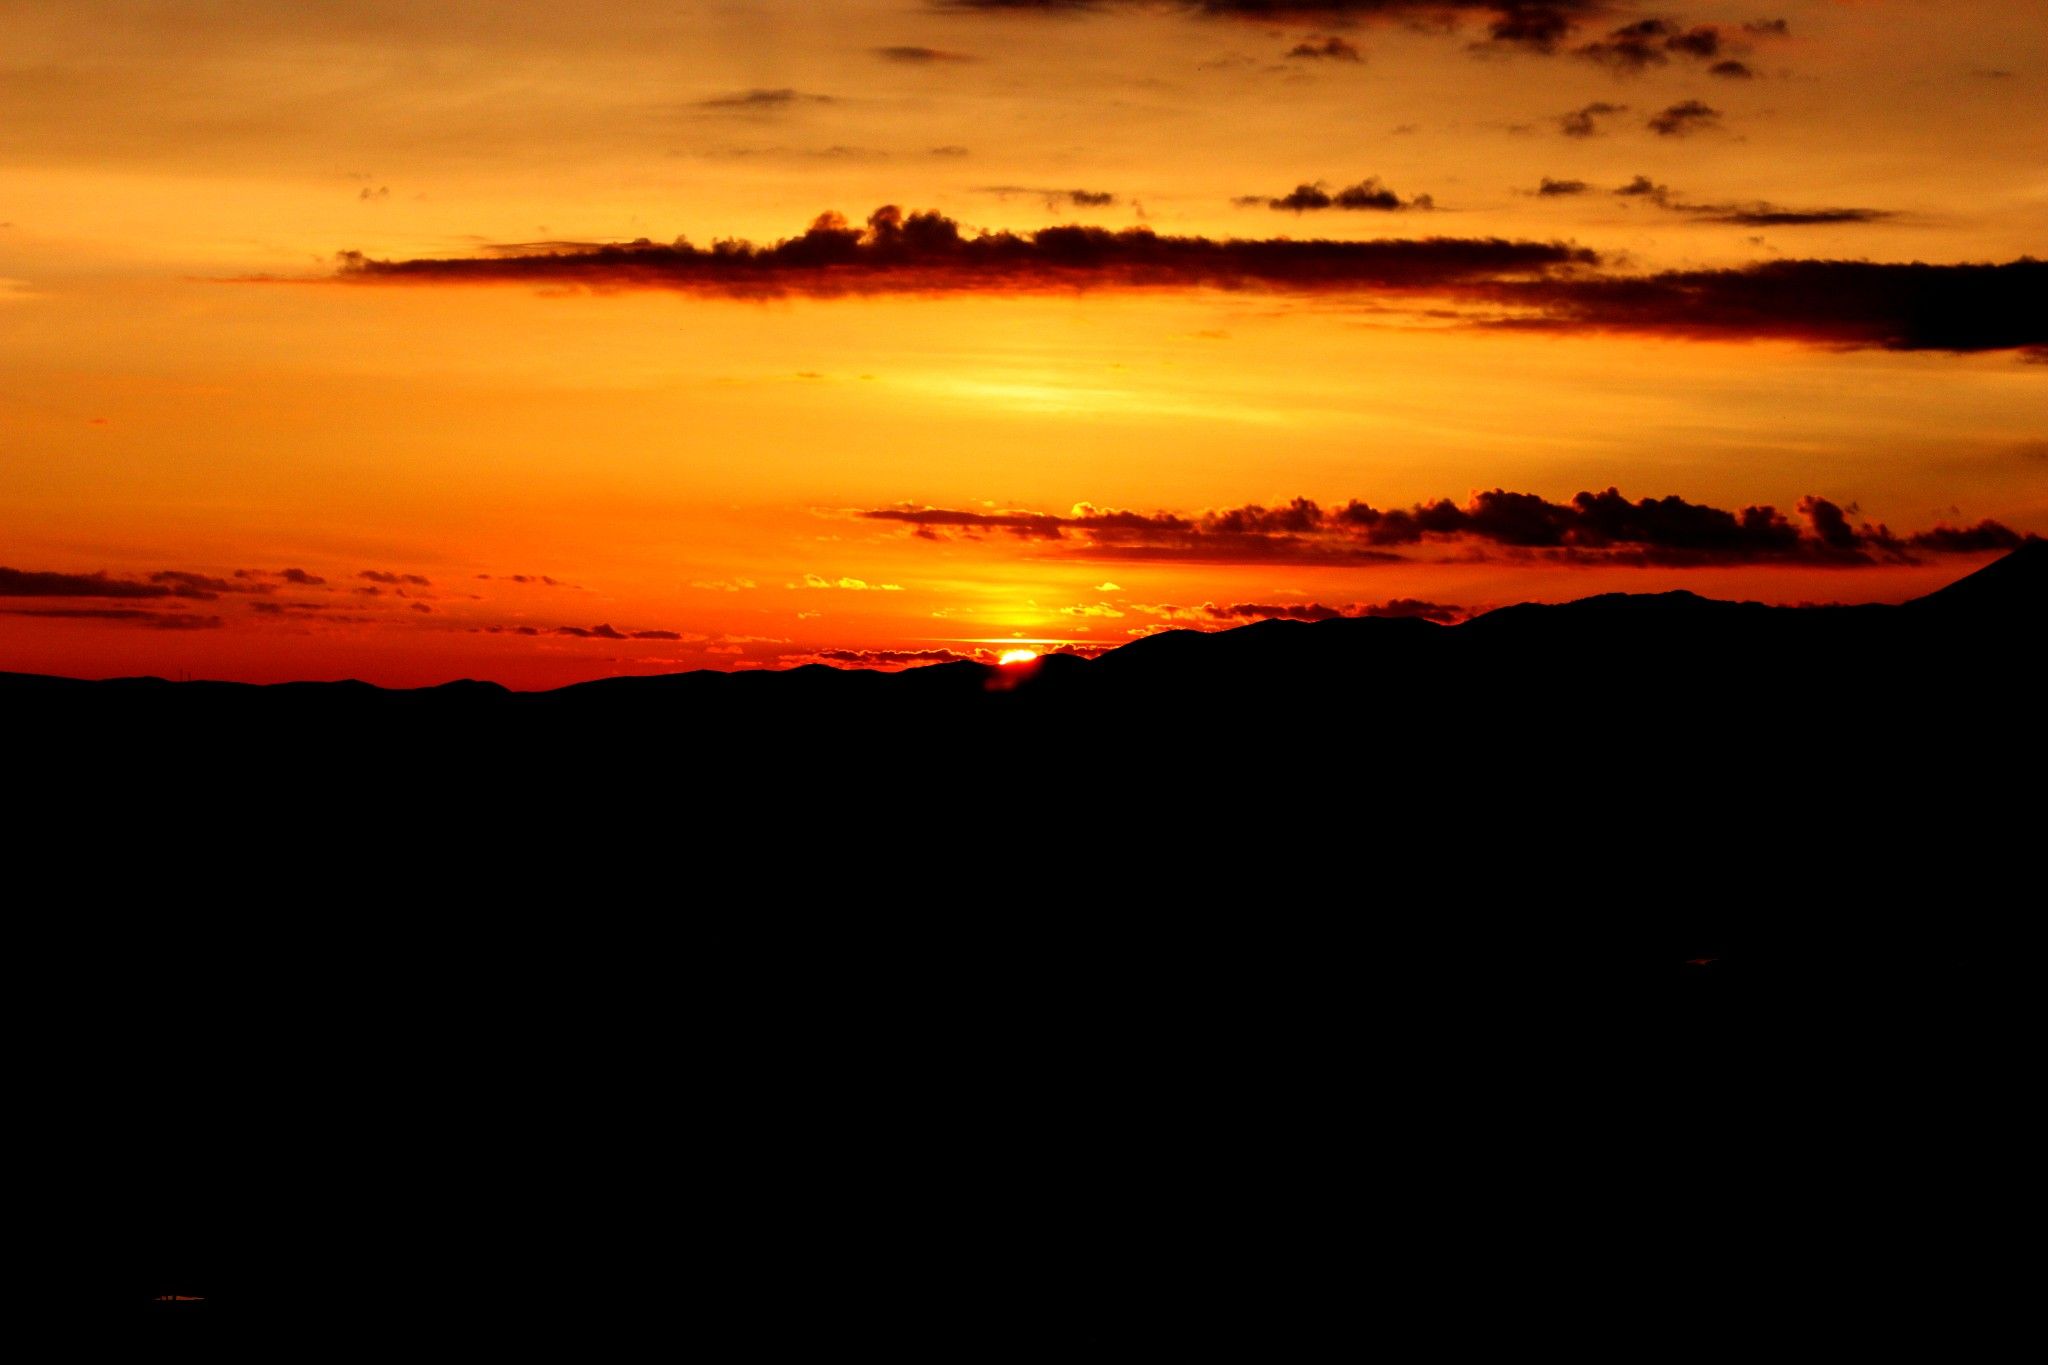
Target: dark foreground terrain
1660	749
1247	995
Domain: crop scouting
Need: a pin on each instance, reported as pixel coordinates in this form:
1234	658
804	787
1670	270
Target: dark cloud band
1591	529
1536	25
927	253
1552	286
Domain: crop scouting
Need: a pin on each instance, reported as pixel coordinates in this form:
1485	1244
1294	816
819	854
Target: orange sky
188	388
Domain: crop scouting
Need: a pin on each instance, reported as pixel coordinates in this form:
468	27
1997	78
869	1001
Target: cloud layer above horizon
1552	286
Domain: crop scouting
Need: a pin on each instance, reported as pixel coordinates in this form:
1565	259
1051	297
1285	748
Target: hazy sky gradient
187	387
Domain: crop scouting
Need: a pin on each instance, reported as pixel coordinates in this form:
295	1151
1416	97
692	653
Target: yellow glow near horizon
1017	656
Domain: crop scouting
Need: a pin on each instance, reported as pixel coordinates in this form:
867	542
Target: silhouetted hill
1044	1007
2017	583
1693	670
1642	722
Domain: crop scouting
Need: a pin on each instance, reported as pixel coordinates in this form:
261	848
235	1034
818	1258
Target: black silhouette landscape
1691	660
1386	977
1281	862
1694	740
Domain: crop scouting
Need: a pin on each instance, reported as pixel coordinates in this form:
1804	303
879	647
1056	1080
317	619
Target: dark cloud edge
1591	530
1554	285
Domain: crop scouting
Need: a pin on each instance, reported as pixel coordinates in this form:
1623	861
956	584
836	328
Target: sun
1017	656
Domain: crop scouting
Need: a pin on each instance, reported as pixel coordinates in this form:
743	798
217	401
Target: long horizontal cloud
608	632
1080	199
1756	213
917	658
1545	26
762	100
1849	304
920	56
1534	25
598	632
887	658
1591	529
1771	215
297	577
125	616
1551	285
1398	608
165	583
926	252
32	583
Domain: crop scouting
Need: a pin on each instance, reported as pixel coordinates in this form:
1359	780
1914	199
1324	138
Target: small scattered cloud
837	151
1056	199
1702	42
1328	49
395	579
1632	47
812	580
1553	189
1684	119
1646	43
1585	121
1367	194
910	55
763	101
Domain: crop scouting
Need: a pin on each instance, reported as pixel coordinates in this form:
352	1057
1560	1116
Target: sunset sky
314	362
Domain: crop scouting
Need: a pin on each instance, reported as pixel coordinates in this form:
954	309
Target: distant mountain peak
2016	582
1677	598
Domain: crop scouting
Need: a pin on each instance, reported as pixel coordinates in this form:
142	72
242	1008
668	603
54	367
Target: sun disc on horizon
1016	656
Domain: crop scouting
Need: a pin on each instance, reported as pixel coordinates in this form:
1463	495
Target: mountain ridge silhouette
1042	1000
1651	750
2014	582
